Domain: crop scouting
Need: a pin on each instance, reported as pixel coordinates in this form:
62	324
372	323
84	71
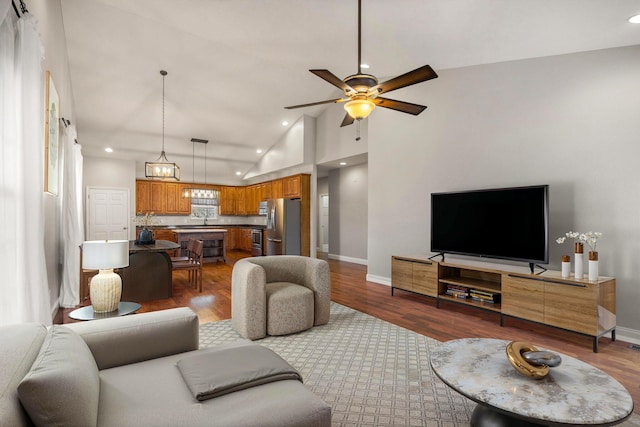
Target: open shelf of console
483	286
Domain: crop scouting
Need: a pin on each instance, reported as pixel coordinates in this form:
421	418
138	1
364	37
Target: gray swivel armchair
279	295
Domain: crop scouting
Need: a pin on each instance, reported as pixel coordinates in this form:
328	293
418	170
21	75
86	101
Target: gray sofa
126	371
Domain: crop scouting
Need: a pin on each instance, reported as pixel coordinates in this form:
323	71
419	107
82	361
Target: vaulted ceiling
233	65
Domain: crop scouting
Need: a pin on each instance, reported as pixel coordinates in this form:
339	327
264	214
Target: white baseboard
627	335
379	279
348	259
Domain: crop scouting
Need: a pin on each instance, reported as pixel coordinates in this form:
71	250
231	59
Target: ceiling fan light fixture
359	108
162	168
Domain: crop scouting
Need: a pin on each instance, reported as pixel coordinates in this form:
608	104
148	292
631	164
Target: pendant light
162	168
196	193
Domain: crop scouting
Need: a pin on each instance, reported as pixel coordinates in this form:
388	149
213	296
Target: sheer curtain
72	225
24	291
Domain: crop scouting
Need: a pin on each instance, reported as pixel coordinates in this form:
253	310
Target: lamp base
105	290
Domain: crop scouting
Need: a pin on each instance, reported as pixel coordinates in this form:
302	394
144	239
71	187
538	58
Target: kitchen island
148	276
214	242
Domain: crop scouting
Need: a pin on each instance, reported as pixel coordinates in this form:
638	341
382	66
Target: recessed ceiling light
366	66
109	150
258	151
238	173
285	123
343	163
635	19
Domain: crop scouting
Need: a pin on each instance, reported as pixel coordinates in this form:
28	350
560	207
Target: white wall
294	150
569	121
112	173
348	193
334	142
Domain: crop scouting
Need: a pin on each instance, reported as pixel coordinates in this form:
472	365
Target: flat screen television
504	223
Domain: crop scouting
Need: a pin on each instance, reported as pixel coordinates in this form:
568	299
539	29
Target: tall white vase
579	273
593	265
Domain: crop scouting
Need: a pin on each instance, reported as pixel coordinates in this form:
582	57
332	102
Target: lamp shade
359	108
105	254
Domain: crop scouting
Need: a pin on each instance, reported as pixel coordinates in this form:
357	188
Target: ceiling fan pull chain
358	130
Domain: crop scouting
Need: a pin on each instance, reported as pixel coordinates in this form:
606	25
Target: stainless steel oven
256	242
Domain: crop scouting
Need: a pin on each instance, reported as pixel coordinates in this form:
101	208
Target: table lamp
105	288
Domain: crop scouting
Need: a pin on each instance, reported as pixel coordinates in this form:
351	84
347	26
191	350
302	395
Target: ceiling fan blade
348	120
329	101
405	107
412	77
333	79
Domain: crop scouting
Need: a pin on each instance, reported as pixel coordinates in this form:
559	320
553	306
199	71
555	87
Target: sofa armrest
317	278
134	338
249	300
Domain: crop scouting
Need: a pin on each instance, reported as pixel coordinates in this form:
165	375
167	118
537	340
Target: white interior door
108	213
324	222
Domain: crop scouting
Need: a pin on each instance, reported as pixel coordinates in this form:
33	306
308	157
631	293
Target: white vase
579	273
566	266
593	265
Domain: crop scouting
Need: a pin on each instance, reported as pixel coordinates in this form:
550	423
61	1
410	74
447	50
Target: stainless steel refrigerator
283	227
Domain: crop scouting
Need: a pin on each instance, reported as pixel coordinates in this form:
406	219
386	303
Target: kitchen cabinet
175	203
276	189
143	196
264	191
251	197
162	198
241	201
291	187
158	197
245	239
227	200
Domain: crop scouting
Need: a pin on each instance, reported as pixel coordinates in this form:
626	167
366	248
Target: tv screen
505	223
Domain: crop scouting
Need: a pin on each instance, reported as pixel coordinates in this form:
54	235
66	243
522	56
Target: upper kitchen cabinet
175	203
291	187
276	189
241	201
227	200
162	198
143	196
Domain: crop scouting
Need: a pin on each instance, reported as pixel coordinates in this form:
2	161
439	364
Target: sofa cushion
62	388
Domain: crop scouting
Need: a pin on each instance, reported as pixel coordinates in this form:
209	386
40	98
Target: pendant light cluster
200	193
162	168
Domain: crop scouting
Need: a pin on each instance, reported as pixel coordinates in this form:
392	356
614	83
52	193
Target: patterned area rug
371	372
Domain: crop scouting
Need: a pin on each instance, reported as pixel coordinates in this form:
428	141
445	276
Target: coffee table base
485	416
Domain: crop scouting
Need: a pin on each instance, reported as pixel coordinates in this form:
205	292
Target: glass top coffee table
87	313
574	393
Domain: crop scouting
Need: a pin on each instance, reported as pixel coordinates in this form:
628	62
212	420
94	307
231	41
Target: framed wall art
51	136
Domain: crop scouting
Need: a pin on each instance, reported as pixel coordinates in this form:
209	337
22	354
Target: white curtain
72	225
24	291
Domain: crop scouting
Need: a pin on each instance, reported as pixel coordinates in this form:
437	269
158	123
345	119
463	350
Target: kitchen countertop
212	226
200	230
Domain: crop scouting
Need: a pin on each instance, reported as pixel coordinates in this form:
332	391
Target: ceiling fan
362	91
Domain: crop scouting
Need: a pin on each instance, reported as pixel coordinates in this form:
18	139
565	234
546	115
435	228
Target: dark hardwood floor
417	313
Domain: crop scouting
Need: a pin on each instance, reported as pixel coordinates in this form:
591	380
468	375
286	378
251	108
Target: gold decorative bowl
515	351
